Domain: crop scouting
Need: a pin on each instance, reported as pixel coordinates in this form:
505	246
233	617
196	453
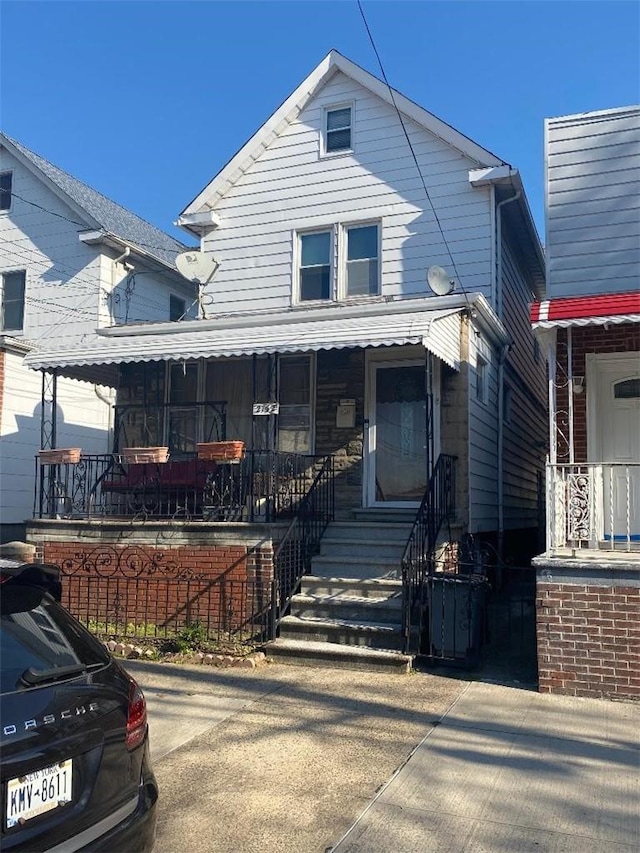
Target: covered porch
359	387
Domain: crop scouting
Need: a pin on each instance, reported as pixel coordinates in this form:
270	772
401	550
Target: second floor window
6	179
13	287
357	271
362	260
315	266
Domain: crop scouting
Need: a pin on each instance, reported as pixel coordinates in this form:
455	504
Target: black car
75	744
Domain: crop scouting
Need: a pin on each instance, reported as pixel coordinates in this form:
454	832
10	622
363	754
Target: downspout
502	357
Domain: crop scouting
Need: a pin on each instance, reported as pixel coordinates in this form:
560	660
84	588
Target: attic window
338	130
5	190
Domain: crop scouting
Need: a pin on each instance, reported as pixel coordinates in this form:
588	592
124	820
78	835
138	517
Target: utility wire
83	225
413	153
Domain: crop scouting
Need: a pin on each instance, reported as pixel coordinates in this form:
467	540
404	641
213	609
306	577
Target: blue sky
146	101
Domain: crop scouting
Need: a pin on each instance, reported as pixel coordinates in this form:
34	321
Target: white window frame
3	327
297	259
325	114
345	227
8	209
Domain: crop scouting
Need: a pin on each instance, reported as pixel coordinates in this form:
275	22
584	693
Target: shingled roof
110	217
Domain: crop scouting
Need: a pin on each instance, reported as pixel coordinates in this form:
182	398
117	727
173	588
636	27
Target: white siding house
324	229
60	280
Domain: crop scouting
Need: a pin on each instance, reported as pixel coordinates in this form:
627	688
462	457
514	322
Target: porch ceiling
438	330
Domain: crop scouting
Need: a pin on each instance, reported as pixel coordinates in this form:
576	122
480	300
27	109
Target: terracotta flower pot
60	455
221	451
143	454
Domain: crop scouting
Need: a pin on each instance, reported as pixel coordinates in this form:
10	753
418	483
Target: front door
616	424
397	444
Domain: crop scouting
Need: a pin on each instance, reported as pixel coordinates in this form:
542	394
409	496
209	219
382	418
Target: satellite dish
439	281
196	266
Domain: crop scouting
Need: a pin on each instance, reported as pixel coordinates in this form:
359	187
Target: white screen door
397	437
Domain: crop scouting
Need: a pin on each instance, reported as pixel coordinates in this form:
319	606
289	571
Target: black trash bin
456	616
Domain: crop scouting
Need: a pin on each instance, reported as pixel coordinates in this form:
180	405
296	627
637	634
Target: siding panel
290	186
593	194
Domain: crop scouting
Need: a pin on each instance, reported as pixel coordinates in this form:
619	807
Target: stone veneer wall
341	375
588	628
166	574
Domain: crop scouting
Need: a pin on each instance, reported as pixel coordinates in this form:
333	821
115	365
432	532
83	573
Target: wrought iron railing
437	506
261	486
593	506
292	557
146	595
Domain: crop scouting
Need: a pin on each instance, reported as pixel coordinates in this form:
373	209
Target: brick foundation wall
621	338
588	629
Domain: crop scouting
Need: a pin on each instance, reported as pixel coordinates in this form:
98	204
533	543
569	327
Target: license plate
41	791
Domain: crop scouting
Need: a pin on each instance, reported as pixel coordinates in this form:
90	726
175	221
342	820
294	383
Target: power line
413	153
83	225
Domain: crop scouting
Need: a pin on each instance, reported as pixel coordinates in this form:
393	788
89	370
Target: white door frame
601	369
392	357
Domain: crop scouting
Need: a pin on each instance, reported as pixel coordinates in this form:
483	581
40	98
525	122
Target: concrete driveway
310	760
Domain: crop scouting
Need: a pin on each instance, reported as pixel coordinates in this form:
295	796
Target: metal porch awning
438	330
593	310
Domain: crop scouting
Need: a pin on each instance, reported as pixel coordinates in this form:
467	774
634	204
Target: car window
36	632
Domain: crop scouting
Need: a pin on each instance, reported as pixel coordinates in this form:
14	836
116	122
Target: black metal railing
173	425
292	557
261	486
147	596
437	506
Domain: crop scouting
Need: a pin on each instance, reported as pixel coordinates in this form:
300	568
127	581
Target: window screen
315	266
338	137
362	260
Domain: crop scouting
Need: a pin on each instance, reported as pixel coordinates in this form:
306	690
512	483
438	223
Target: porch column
49	411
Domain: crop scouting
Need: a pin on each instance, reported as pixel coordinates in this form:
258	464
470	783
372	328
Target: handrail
437	506
301	540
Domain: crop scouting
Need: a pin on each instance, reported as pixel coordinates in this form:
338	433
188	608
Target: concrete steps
349	610
310	653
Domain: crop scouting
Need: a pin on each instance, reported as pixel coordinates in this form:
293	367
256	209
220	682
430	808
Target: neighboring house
589	575
320	315
71	261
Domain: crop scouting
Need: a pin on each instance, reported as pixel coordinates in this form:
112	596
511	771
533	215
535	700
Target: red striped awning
587	310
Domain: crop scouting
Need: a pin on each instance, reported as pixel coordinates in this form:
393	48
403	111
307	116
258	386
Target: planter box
221	451
138	455
60	455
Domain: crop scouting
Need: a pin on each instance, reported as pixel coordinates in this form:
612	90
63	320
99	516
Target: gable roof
101	212
295	103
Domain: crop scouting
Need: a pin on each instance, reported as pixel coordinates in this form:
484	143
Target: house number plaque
266	408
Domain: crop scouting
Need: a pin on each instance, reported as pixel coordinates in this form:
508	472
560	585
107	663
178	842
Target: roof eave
51	185
98	237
